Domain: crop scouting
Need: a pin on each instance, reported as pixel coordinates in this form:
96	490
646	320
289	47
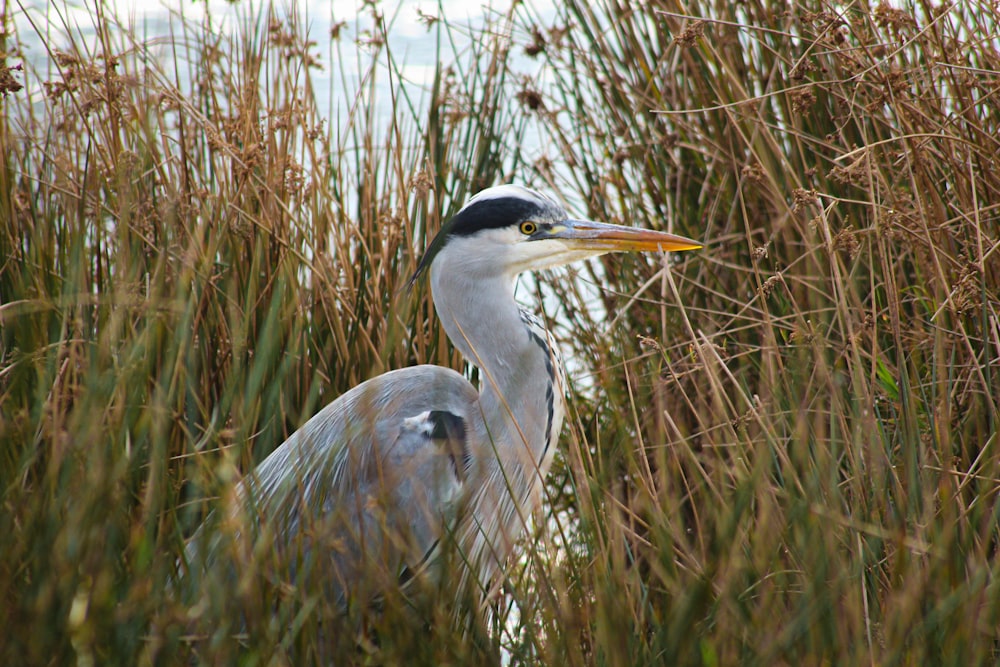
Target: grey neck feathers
516	368
522	411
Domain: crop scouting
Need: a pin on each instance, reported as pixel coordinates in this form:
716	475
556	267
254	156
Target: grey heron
366	491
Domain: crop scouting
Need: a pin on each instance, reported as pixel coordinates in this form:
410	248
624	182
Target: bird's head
508	229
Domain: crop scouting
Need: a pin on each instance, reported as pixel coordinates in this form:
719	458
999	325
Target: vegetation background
781	450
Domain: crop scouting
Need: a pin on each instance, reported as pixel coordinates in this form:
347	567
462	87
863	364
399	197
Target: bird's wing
364	491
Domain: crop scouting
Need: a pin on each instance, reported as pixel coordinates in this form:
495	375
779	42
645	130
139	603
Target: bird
369	490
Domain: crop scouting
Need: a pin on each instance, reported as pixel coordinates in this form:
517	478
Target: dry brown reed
782	449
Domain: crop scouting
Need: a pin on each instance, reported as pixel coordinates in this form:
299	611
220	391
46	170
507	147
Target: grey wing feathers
363	491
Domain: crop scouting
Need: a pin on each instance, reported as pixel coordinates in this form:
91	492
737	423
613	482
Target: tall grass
782	449
797	462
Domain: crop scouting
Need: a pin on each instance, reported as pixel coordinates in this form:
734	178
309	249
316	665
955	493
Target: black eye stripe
492	214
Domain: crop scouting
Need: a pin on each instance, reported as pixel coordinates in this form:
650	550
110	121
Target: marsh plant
781	449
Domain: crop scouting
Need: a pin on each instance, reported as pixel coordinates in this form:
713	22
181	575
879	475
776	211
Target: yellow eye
528	228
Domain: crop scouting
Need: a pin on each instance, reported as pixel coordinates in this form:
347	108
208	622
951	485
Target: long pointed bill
601	236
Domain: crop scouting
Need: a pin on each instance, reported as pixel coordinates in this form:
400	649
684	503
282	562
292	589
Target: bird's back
358	498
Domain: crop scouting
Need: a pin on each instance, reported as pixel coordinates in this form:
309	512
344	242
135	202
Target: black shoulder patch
446	425
450	428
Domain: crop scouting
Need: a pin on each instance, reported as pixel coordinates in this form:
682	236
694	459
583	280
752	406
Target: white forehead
515	191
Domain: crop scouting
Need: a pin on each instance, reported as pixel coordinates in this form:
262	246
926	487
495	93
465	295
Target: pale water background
157	24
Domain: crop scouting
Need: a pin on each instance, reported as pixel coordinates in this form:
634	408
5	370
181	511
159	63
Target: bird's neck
521	399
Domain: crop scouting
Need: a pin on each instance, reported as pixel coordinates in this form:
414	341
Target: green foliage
781	449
